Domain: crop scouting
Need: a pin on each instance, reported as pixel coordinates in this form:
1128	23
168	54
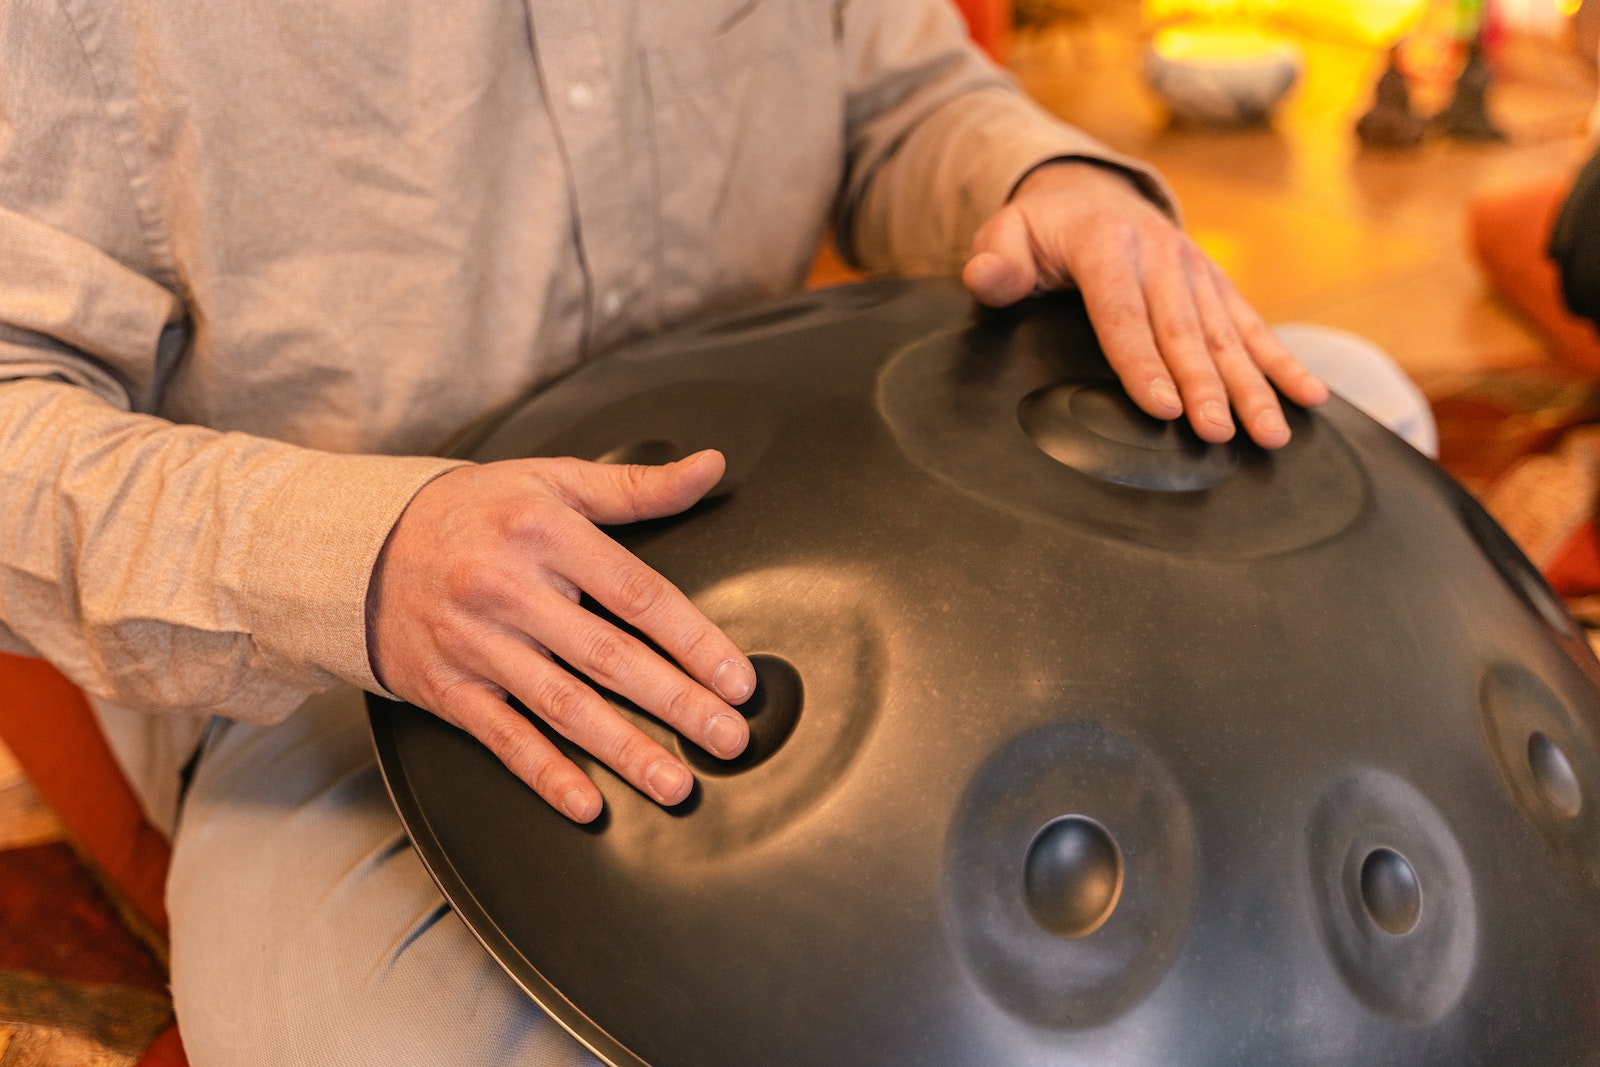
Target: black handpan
1077	740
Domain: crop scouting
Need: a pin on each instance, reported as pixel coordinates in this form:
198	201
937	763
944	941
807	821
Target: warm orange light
1222	247
1367	21
1218	46
1364	21
1159	11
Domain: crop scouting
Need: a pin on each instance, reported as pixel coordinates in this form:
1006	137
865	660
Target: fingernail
1214	413
1165	395
576	804
1270	425
667	781
724	736
733	680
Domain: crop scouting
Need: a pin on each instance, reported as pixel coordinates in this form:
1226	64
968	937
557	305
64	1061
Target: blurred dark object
1575	243
1466	117
1391	123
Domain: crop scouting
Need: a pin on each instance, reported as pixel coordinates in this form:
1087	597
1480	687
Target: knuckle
1183	332
632	754
637	478
1260	339
679	707
545	780
563	702
507	737
532	523
638	593
693	643
1124	315
605	654
442	681
464	579
1222	339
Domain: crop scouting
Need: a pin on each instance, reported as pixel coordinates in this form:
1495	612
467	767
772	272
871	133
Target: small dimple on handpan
1073	876
1096	430
772	712
1553	773
1109	413
1390	891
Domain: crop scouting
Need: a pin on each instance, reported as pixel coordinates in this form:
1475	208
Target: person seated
262	264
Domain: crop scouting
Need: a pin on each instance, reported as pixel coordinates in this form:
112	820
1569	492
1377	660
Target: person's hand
1174	328
479	584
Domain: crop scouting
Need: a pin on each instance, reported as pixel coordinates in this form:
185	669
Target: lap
305	930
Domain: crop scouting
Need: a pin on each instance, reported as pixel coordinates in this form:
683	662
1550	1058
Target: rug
1526	443
76	986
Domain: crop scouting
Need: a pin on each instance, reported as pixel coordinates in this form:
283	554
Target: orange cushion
989	23
47	724
165	1051
1510	234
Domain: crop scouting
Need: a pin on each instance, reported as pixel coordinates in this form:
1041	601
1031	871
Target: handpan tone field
1078	741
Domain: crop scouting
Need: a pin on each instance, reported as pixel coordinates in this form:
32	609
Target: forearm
938	140
174	567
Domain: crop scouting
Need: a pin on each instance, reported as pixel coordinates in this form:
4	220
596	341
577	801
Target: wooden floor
1309	224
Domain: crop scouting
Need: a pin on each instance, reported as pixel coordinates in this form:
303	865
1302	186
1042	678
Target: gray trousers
305	929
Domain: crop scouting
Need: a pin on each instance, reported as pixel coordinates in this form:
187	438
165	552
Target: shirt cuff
313	554
1146	181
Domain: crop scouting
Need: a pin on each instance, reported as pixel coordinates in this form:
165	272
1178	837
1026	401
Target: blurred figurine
1391	123
1466	117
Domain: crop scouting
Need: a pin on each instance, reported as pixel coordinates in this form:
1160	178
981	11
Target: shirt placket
607	187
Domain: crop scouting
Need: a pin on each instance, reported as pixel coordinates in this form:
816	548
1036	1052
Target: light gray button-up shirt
253	256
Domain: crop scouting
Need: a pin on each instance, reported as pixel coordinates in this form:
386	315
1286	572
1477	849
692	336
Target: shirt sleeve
162	567
938	138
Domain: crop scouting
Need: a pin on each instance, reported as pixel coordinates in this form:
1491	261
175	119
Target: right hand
479	585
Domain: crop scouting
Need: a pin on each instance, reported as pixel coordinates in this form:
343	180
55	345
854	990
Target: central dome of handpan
1078	741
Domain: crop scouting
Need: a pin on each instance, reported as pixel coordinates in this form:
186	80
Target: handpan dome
1078	741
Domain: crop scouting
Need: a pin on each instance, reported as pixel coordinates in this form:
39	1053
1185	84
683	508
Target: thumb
1002	269
611	494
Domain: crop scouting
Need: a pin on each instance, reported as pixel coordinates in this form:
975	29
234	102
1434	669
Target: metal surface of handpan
1078	741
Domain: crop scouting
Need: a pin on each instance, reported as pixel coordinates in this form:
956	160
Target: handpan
1076	740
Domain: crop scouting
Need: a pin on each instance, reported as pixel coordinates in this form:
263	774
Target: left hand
1174	328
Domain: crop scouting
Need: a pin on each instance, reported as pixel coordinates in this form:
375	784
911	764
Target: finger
1181	337
643	599
1266	351
1113	293
632	591
625	665
579	714
526	752
613	494
1252	398
1003	268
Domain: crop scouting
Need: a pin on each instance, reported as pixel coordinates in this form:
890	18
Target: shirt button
612	303
580	96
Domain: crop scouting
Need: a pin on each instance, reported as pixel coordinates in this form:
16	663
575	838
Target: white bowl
1221	76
